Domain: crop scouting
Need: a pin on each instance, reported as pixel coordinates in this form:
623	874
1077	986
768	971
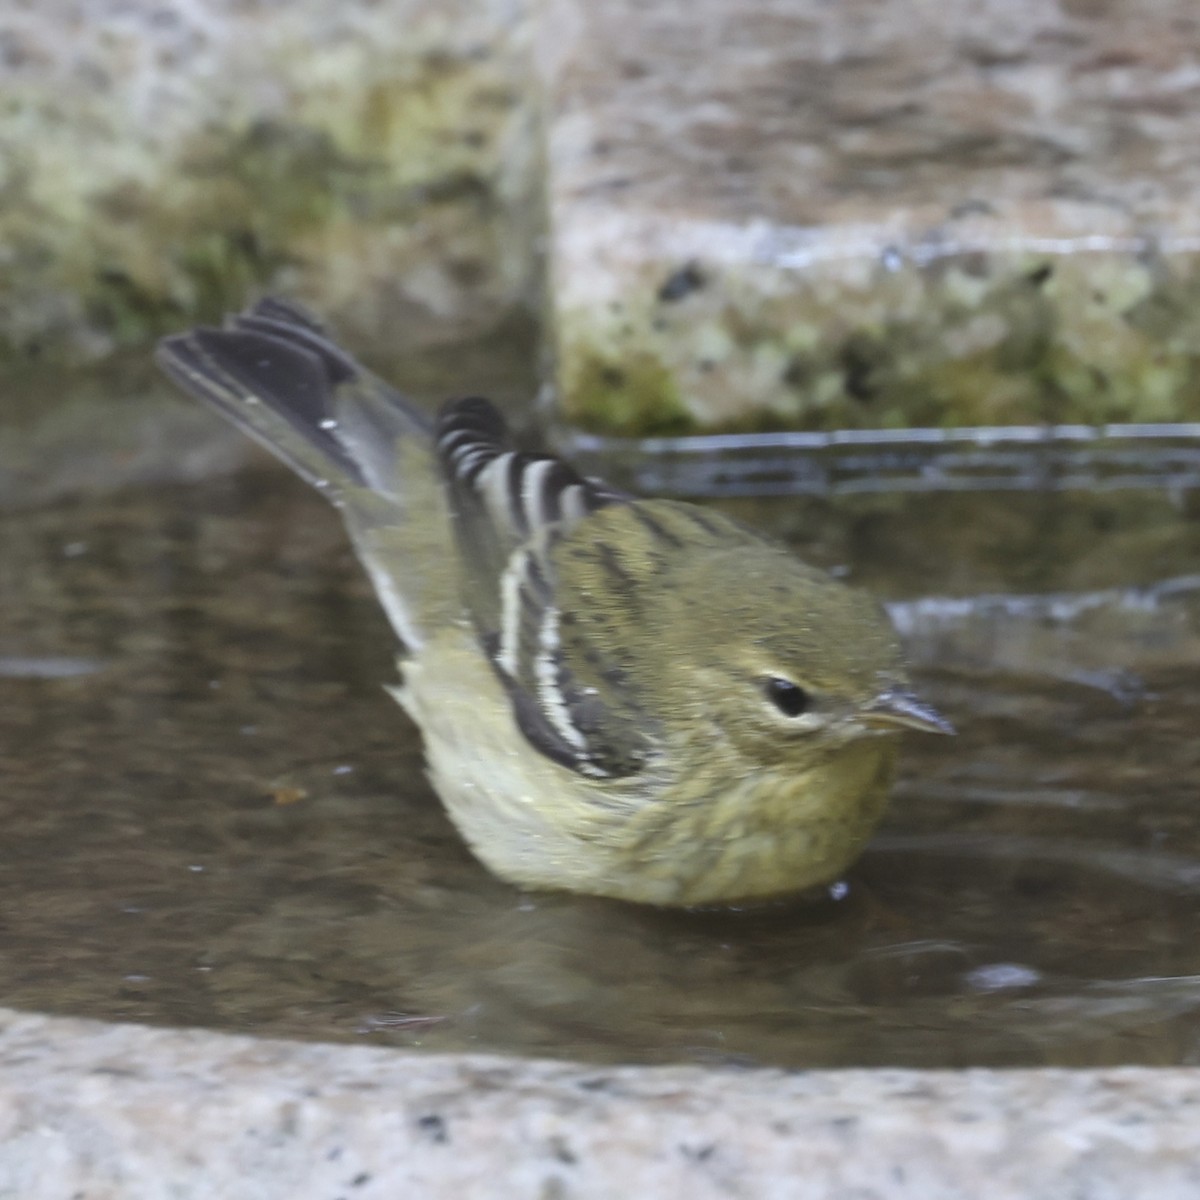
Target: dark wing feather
502	499
510	510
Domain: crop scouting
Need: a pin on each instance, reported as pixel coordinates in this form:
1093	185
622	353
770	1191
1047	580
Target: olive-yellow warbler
632	698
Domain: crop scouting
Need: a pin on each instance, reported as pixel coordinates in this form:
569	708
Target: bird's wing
512	512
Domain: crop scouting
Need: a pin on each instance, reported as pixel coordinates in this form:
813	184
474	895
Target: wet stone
865	215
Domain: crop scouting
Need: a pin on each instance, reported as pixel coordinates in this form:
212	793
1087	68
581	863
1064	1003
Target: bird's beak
896	709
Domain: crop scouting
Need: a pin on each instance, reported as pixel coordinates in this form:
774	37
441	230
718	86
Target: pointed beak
896	709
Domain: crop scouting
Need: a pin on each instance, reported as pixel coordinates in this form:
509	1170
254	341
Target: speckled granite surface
874	213
159	159
115	1112
765	214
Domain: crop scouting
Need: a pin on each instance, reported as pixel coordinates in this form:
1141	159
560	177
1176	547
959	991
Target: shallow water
213	815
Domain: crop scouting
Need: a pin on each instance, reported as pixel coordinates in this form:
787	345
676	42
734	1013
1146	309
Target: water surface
213	815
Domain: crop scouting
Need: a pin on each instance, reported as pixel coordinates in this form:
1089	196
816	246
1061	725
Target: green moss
368	181
1090	341
229	224
635	394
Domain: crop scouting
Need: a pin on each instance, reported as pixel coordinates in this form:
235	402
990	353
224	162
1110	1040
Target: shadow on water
213	815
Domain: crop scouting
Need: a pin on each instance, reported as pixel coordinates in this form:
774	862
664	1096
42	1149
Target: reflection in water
849	462
213	815
1165	872
47	668
1082	637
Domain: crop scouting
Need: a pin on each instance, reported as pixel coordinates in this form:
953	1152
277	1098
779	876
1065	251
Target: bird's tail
275	372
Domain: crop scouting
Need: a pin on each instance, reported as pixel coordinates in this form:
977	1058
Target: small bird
633	698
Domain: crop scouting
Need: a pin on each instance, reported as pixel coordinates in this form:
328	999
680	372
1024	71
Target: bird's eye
791	699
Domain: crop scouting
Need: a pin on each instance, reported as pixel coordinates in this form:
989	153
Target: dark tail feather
274	372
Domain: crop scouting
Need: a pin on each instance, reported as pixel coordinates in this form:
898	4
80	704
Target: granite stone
110	1112
162	159
788	213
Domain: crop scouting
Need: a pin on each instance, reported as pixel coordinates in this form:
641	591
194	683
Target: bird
635	698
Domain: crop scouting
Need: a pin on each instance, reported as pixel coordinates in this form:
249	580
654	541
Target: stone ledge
114	1111
866	215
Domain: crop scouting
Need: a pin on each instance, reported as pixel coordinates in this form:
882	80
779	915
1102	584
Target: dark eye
791	699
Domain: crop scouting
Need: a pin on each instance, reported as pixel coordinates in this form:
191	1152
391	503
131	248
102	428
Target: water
212	815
